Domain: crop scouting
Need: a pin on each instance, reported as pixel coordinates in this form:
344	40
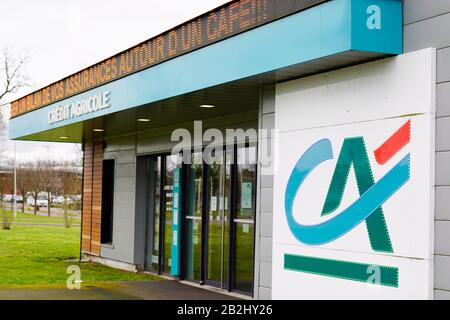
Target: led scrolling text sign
228	20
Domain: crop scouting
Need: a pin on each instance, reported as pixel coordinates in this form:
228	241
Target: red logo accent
393	144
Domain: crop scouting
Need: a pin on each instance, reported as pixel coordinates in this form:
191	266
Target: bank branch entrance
219	220
201	217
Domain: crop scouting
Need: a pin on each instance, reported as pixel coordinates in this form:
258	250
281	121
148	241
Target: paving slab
133	290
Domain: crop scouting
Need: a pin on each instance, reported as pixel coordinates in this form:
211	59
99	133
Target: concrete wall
427	24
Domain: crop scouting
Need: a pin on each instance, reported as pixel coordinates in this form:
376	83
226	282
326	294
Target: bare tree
70	184
12	74
5	187
49	179
34	176
13	77
22	181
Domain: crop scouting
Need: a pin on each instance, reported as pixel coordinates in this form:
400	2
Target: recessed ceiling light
98	130
143	120
208	106
64	137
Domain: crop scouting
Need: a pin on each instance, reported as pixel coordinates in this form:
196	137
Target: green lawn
31	218
36	256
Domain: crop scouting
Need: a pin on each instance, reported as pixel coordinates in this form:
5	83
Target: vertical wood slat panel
87	198
92	197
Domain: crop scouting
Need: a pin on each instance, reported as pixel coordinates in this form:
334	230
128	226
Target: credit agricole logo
368	208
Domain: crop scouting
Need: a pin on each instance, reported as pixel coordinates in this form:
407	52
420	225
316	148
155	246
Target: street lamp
15	183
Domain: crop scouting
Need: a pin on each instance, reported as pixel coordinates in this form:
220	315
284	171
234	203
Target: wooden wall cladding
92	197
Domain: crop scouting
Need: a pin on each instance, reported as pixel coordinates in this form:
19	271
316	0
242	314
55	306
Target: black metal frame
206	223
254	223
205	233
204	219
232	235
162	218
162	213
182	221
148	249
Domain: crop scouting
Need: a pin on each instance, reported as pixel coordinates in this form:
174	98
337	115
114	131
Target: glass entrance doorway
159	217
194	219
216	214
220	218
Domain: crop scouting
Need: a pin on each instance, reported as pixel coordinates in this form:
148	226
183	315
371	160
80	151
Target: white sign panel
354	191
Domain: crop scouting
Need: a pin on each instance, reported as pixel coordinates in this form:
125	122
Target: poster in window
246	198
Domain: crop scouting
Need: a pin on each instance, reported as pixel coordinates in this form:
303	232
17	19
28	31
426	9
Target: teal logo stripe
352	216
354	152
355	271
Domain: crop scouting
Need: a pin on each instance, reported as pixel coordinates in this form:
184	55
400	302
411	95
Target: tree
49	179
13	77
12	74
22	181
70	184
5	187
35	177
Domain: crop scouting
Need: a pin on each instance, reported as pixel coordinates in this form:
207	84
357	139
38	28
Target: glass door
244	219
194	219
218	219
170	164
152	260
160	206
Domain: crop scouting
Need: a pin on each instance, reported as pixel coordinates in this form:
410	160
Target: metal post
15	183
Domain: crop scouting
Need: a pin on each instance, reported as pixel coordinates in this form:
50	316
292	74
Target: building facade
278	149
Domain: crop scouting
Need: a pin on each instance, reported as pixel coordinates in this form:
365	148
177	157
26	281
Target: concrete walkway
136	290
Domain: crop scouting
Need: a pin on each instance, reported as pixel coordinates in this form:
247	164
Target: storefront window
244	222
156	212
218	218
219	211
171	163
194	219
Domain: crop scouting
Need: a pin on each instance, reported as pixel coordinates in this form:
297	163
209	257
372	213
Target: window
107	201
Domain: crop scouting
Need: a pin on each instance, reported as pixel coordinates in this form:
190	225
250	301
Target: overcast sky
63	37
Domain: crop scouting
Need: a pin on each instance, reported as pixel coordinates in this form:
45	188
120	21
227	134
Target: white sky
63	37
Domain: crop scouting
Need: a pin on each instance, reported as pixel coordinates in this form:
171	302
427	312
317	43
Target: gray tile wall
264	218
427	24
123	150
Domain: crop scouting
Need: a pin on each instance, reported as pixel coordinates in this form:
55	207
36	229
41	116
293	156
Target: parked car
7	197
58	200
19	199
42	201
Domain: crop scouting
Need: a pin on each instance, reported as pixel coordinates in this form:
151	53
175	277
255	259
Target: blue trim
176	216
318	32
389	37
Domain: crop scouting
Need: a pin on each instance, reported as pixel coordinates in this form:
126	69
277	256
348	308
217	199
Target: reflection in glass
156	214
194	223
218	219
244	223
194	235
243	278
